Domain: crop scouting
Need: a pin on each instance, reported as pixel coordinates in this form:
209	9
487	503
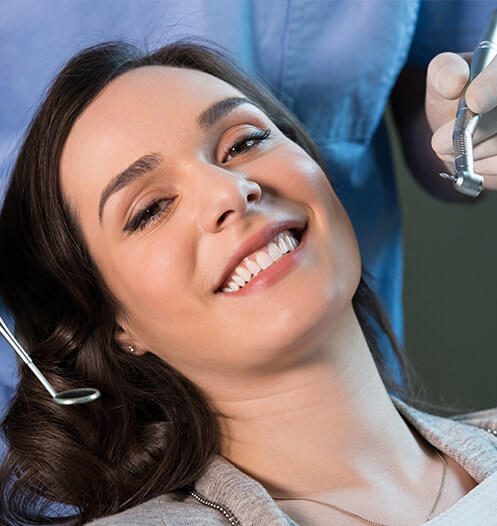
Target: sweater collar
229	487
473	448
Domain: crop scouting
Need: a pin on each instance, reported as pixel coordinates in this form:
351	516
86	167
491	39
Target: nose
223	197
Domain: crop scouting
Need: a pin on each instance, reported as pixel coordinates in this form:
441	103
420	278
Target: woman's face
179	183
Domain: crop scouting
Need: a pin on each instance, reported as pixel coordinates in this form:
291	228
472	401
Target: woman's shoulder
164	510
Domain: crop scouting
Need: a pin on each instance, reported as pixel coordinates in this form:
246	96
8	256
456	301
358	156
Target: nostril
252	197
221	219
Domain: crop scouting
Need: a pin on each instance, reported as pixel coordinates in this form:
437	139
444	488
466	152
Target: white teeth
253	267
291	242
282	245
274	252
233	286
238	280
263	259
244	274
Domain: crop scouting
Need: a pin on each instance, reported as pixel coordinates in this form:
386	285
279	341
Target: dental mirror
74	396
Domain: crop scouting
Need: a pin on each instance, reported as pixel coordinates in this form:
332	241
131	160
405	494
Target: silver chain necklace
369	521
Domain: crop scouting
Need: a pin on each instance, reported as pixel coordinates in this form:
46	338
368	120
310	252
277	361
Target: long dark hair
152	431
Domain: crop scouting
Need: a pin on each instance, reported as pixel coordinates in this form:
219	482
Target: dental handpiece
465	179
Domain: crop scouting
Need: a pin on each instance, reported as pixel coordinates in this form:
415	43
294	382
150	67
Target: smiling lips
260	260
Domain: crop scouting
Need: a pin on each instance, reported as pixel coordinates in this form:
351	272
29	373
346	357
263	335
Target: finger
490	182
484	140
448	159
441	141
486	166
447	75
481	95
484	154
487	126
485	149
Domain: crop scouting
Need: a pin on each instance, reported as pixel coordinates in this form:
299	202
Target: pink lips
256	242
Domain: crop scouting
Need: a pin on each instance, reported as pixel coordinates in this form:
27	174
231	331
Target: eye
247	142
148	214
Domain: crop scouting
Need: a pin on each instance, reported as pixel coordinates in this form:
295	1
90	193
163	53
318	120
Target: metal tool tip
448	176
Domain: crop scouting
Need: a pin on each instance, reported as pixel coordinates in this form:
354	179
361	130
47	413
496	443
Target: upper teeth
260	260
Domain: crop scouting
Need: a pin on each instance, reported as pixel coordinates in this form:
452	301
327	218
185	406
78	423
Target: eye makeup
148	214
251	139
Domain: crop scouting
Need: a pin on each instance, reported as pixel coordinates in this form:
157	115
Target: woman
170	237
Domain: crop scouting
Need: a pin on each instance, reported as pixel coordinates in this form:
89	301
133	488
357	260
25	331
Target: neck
320	427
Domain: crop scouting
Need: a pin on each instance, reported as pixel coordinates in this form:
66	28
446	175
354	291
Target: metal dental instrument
74	396
465	179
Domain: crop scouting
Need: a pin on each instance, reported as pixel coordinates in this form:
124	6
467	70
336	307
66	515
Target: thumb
481	95
447	75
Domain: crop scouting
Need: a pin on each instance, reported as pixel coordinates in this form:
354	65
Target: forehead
147	95
138	112
176	85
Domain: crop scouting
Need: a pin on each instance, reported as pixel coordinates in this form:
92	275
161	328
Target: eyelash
256	137
138	222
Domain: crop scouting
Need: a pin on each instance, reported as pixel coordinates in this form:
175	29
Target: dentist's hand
447	75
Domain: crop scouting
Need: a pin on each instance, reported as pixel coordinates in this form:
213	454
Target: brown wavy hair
152	431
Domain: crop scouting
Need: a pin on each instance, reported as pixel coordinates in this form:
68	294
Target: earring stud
131	348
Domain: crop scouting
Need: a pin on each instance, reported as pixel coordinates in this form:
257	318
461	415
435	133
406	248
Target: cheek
152	278
334	231
304	178
348	254
306	182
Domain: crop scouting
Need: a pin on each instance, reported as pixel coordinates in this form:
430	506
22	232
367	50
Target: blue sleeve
450	25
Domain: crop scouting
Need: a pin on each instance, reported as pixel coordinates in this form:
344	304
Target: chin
294	328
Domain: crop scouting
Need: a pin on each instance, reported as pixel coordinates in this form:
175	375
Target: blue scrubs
333	63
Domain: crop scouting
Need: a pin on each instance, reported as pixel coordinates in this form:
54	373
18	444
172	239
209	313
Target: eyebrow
210	116
215	112
134	171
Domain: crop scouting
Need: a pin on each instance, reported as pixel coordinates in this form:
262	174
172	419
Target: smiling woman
165	204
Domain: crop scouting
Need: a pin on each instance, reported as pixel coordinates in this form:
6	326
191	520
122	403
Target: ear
125	340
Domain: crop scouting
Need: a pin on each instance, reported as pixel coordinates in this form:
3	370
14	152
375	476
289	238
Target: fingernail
481	99
451	78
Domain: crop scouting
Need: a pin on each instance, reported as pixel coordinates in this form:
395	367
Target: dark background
450	292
